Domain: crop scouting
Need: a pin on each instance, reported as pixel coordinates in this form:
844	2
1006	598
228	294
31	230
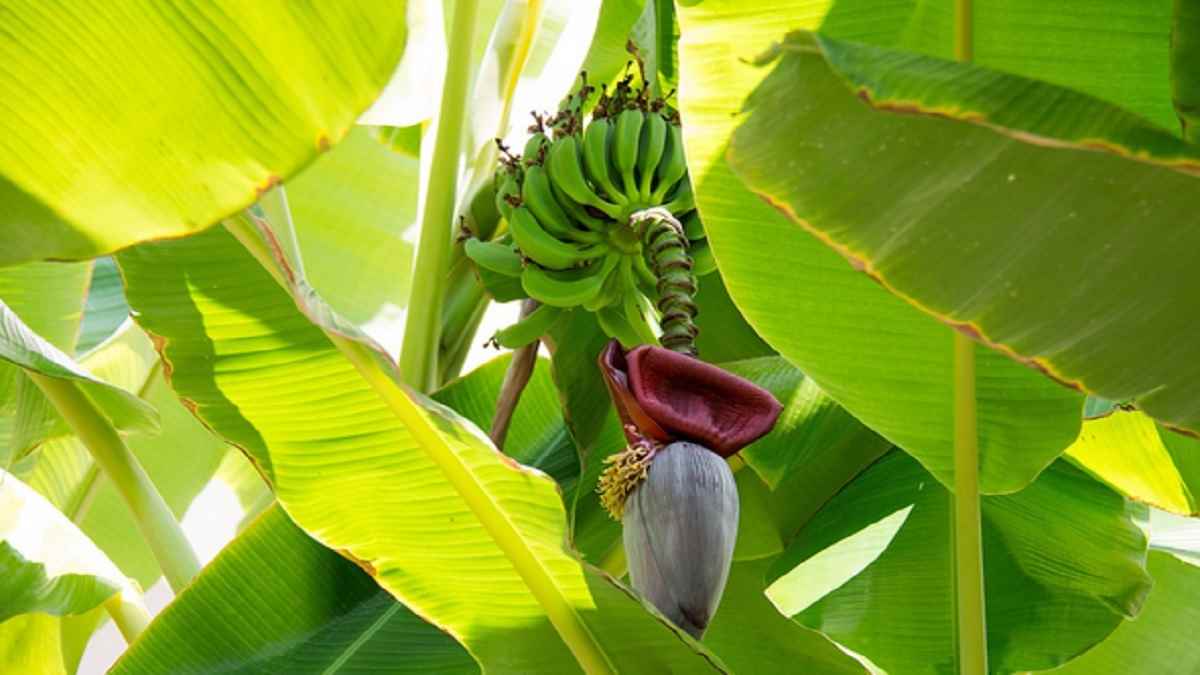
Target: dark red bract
667	396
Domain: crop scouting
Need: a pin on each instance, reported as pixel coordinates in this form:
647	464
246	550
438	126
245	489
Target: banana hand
543	248
567	173
494	256
528	329
566	289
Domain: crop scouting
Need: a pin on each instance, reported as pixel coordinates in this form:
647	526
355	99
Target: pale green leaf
154	121
1139	459
354	212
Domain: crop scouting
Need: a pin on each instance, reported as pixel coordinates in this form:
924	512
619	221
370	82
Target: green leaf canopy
458	532
885	362
156	120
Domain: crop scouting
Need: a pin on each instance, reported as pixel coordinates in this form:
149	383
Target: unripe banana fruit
580	193
680	526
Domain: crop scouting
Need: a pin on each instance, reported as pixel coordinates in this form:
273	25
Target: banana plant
549	336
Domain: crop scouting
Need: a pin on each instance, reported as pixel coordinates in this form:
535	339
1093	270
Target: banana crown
568	199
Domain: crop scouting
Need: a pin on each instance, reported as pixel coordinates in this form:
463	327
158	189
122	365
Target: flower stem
154	518
520	369
418	359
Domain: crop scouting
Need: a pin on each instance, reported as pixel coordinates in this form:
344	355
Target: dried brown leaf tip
662	396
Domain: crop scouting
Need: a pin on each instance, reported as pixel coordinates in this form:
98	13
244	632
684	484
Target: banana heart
672	488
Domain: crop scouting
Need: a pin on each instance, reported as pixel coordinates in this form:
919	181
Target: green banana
537	195
637	320
595	158
566	289
614	286
576	211
506	186
567	172
703	261
543	248
650	151
682	200
645	276
493	256
528	329
625	148
671	167
533	148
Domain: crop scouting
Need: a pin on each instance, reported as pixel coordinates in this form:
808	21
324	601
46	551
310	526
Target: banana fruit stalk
680	525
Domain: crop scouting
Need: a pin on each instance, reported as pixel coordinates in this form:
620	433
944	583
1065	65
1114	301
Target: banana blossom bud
672	487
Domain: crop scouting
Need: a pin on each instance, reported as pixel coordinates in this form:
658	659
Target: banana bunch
567	200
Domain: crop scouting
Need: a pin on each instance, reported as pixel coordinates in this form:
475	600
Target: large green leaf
116	147
461	534
1141	460
343	619
943	237
885	362
1152	643
335	618
1063	561
46	564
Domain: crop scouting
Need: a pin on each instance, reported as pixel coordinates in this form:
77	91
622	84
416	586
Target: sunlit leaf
30	643
355	212
393	471
49	299
1141	460
179	460
117	147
